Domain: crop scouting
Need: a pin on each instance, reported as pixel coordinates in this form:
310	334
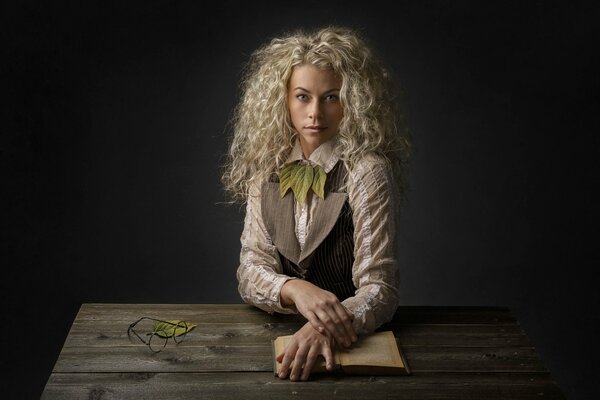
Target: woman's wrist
286	293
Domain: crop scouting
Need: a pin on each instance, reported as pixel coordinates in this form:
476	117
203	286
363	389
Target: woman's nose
315	110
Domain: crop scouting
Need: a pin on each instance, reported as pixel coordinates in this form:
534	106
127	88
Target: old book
374	354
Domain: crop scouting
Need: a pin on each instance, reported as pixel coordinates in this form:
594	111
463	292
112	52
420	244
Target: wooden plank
265	386
223	313
192	358
453	315
473	359
486	335
204	313
114	333
110	333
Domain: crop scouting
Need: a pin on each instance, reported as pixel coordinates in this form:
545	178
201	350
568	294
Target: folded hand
303	351
321	308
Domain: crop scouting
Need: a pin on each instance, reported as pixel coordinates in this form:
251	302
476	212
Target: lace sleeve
375	270
259	274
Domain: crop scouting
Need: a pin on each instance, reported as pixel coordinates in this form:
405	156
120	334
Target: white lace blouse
373	200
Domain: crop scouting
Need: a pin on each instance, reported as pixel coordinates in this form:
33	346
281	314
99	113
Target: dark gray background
113	130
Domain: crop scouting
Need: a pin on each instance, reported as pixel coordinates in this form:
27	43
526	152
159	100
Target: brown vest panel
328	254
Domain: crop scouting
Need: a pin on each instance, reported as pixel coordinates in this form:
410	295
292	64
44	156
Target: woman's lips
315	129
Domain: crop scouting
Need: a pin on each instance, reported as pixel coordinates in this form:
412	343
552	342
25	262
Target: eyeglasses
161	332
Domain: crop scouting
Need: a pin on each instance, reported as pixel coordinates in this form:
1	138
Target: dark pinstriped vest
328	254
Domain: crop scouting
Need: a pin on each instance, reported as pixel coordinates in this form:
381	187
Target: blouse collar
326	155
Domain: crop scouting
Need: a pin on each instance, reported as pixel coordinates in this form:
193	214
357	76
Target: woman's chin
316	138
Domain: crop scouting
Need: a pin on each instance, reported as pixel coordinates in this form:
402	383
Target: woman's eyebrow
330	90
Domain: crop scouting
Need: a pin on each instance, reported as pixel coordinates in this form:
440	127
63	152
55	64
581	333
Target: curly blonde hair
263	135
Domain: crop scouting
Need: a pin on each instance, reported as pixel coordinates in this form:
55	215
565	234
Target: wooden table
453	353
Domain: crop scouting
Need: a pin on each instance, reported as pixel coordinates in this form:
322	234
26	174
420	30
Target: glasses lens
132	334
180	332
158	341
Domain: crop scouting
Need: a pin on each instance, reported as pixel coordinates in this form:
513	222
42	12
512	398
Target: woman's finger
346	319
312	357
334	326
328	355
315	322
289	354
299	361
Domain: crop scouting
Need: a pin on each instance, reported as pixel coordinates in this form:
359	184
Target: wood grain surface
453	353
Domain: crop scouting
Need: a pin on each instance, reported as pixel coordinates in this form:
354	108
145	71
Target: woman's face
314	104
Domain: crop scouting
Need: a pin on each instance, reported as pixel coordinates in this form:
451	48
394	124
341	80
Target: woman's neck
307	150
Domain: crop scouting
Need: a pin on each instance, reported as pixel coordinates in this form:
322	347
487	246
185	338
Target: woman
319	159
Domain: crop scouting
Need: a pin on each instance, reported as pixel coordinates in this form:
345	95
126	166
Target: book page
280	344
376	349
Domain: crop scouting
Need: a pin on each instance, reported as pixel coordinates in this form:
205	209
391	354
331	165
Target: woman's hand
304	349
321	308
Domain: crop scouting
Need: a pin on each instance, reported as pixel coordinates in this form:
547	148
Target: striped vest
328	254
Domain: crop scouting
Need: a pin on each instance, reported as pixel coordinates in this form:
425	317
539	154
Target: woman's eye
301	97
331	97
